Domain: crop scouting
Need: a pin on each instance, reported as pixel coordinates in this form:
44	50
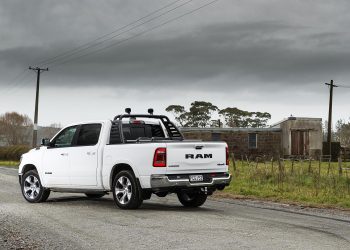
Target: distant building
301	136
295	136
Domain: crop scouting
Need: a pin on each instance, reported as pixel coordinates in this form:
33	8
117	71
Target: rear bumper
162	181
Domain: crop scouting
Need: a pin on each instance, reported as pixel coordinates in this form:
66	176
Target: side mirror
45	142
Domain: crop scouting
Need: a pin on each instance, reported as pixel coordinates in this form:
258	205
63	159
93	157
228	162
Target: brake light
136	122
227	157
159	159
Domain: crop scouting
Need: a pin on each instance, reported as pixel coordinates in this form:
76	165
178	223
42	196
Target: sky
258	55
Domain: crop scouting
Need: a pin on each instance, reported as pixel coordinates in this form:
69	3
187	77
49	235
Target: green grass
13	164
300	182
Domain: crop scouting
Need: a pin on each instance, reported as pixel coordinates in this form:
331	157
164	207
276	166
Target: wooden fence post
319	168
234	162
340	167
248	162
329	165
309	170
272	166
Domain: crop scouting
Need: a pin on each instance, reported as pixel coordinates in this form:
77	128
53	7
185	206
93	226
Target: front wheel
192	199
126	192
32	190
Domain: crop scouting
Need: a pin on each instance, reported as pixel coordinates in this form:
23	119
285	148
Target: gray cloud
244	50
256	46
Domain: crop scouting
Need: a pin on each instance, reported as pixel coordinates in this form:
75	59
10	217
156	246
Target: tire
95	195
31	187
192	199
126	192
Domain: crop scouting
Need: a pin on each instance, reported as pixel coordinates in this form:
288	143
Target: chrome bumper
162	181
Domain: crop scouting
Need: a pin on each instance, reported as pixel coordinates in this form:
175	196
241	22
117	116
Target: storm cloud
253	47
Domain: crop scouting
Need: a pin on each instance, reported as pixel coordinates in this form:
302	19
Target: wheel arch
117	168
28	167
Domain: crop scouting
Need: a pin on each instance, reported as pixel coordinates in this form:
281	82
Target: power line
344	86
117	35
18	79
16	82
18	76
49	60
137	35
22	83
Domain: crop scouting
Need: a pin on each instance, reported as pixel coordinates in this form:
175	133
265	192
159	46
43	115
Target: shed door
300	142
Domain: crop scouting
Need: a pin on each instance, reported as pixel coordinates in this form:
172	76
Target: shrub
13	153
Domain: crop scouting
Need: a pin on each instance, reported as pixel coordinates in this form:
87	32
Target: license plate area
196	178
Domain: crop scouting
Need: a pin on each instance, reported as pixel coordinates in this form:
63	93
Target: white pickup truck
149	156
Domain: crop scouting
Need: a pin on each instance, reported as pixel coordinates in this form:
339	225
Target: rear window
135	131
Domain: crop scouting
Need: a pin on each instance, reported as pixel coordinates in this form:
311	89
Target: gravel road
72	221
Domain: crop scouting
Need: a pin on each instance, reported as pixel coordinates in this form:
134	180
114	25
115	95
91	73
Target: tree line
200	114
17	129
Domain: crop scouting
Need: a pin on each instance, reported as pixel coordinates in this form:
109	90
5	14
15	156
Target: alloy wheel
31	187
123	190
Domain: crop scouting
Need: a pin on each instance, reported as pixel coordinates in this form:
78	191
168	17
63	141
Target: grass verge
12	164
308	183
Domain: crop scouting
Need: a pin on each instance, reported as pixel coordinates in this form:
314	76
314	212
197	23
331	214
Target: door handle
90	153
64	154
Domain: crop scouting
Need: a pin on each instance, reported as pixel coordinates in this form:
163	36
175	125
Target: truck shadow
107	202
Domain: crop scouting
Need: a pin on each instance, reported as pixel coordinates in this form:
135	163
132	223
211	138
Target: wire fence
296	173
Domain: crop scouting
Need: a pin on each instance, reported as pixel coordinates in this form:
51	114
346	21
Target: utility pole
329	135
35	128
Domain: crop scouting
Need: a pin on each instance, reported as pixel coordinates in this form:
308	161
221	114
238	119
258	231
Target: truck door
56	158
84	156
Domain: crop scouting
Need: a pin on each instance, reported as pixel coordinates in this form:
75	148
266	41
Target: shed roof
277	124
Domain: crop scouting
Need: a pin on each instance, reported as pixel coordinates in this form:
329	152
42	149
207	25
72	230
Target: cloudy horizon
268	56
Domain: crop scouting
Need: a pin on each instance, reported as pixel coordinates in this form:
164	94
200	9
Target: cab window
88	134
65	138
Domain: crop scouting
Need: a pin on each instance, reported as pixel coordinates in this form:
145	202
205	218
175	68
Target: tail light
136	122
159	159
227	157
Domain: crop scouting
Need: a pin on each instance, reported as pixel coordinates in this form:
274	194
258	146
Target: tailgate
196	157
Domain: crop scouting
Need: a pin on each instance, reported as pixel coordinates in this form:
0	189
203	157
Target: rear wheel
126	192
95	195
192	199
32	190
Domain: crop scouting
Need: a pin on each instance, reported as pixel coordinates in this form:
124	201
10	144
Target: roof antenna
150	111
128	111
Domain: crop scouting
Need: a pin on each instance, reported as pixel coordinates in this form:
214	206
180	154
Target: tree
179	112
14	128
342	133
199	114
259	119
235	117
